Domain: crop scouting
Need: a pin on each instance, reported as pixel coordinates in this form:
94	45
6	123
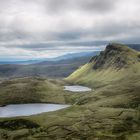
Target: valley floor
108	113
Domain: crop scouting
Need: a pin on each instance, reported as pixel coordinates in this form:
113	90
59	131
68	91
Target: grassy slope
30	90
111	112
35	90
108	73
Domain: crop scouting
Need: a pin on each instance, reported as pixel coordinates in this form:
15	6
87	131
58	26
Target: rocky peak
116	56
117	47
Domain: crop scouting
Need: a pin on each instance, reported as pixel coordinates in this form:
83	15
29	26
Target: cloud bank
46	28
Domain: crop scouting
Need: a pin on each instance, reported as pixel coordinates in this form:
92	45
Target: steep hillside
116	62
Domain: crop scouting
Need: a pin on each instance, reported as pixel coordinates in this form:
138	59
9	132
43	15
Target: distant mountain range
57	67
134	46
63	57
61	66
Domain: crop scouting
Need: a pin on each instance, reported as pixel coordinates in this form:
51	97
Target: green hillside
34	90
111	111
115	63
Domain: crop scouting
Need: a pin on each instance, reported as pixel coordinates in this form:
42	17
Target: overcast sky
31	29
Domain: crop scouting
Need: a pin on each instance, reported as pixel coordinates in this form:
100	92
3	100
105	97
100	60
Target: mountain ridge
117	56
60	68
51	60
115	63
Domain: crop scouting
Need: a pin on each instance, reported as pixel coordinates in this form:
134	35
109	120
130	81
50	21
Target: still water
77	88
28	109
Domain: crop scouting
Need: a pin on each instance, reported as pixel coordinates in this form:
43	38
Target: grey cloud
98	5
86	5
59	45
67	23
69	35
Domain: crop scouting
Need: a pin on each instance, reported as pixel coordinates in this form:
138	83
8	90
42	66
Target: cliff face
117	56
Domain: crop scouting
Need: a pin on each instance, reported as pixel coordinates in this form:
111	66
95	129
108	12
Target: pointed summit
115	63
116	56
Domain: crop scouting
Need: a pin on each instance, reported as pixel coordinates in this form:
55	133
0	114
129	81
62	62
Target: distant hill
63	57
59	67
74	55
135	46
